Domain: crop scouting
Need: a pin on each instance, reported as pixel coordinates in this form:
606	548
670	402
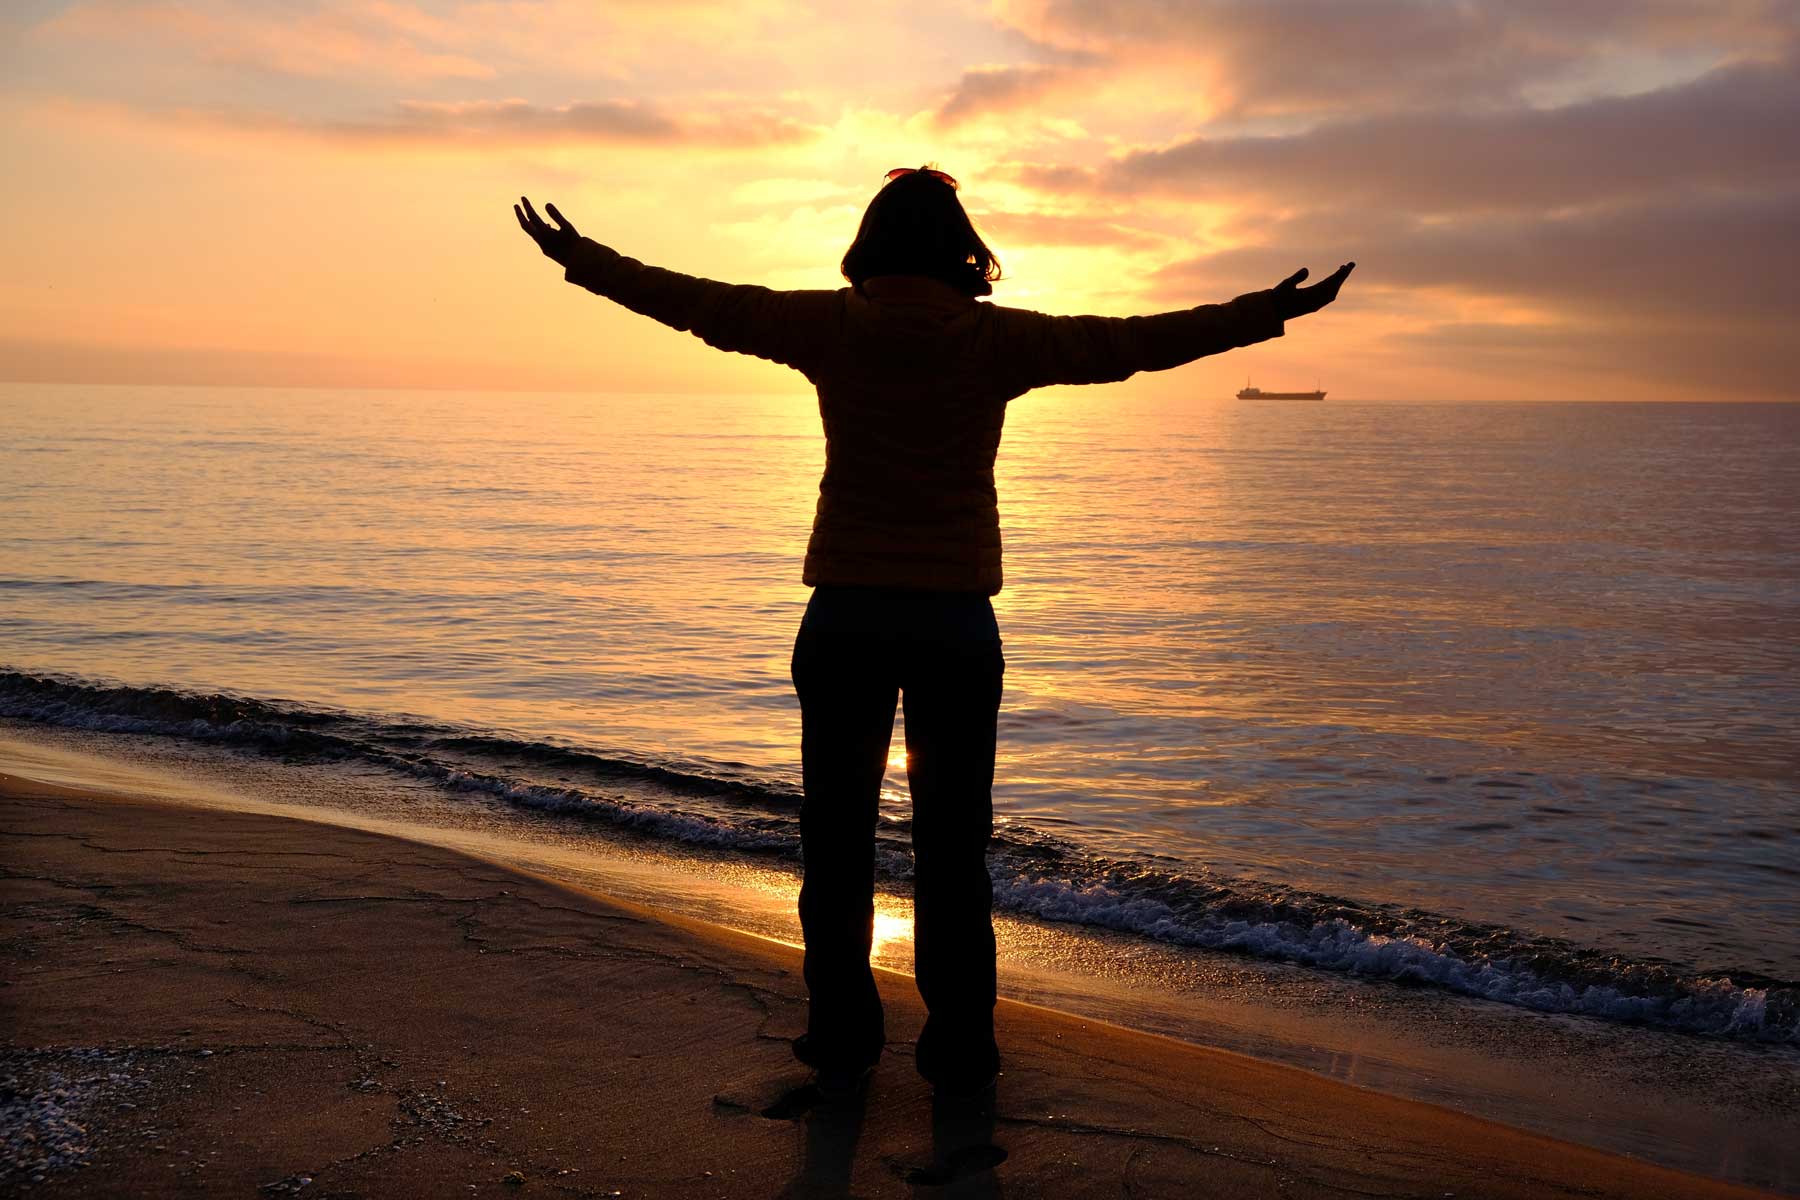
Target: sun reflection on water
892	927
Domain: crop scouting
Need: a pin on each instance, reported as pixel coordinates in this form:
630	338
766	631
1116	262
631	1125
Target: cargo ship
1256	393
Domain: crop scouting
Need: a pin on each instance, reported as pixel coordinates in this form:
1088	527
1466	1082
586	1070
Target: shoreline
1717	1108
290	999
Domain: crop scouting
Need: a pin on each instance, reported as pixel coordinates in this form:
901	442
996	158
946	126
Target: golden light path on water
893	928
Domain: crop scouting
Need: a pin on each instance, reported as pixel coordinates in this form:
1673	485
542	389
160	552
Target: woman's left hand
559	243
1292	300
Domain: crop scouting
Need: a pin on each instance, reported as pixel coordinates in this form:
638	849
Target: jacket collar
914	289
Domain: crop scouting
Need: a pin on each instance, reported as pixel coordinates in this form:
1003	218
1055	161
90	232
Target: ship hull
1250	395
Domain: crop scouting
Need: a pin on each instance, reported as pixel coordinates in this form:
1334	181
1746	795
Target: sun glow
891	928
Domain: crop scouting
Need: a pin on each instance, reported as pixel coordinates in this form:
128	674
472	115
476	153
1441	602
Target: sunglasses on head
940	176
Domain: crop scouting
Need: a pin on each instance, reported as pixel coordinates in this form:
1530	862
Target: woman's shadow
963	1153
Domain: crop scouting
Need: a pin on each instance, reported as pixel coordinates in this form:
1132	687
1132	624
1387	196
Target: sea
1494	705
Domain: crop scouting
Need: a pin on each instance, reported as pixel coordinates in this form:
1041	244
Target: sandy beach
211	1003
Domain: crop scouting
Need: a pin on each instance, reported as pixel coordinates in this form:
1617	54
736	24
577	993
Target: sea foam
1034	875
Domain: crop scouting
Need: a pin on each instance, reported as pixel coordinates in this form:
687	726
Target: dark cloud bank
1656	234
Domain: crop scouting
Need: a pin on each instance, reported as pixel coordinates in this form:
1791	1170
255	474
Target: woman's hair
915	225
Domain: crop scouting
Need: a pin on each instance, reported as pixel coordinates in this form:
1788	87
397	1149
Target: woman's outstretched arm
792	328
1052	350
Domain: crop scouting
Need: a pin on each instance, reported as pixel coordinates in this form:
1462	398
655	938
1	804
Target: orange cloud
1062	229
1734	127
485	123
337	39
1366	55
986	90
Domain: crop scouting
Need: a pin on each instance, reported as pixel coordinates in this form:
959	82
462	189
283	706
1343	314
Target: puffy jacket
913	380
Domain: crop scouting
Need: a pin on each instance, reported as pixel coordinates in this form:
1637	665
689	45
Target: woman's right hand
561	243
1292	300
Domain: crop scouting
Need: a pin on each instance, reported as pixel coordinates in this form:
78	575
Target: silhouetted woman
913	377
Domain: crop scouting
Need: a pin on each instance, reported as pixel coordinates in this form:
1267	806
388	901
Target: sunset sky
1548	198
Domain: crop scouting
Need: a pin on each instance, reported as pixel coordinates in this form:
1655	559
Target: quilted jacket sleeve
794	328
1051	350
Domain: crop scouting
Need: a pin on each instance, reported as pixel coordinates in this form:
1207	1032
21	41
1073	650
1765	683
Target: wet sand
199	1002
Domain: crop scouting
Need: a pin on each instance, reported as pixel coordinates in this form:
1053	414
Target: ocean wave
732	808
1485	962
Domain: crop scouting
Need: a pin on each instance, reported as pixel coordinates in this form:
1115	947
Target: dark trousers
858	651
